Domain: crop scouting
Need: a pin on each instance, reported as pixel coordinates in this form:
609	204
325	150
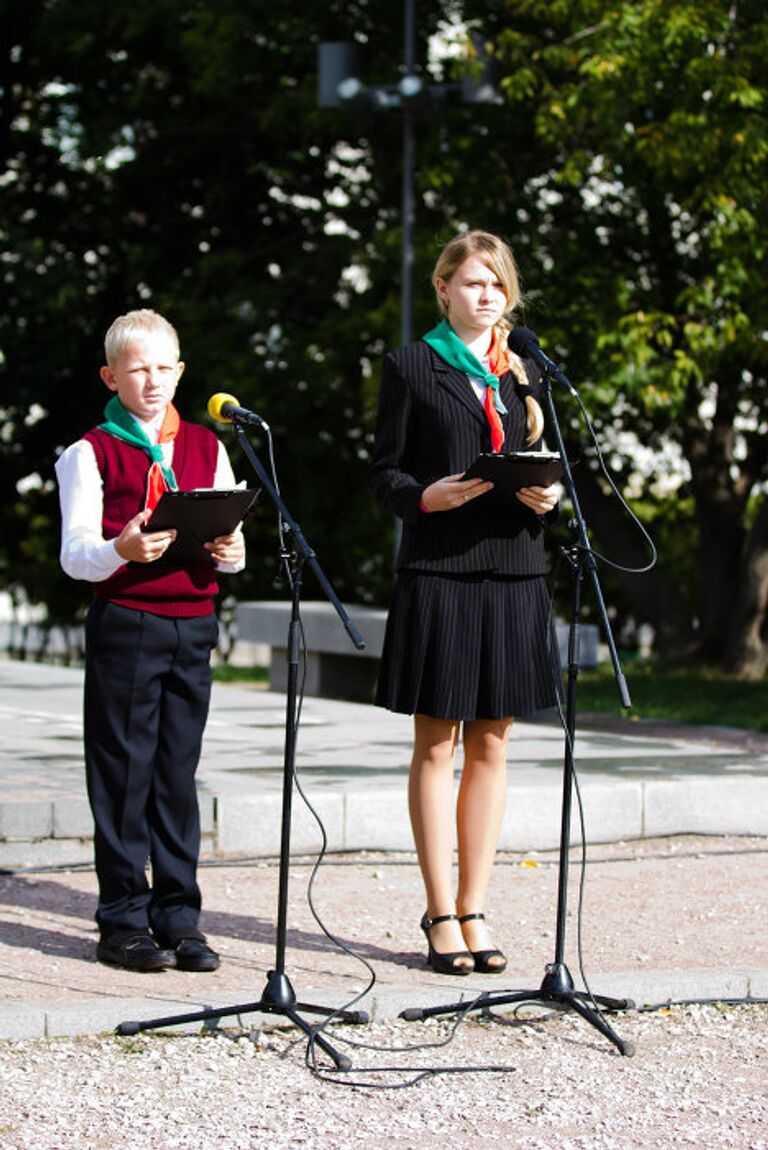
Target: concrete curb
35	1020
375	817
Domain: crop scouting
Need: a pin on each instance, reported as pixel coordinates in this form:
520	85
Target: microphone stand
557	987
278	996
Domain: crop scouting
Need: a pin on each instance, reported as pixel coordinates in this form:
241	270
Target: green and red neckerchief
455	352
120	423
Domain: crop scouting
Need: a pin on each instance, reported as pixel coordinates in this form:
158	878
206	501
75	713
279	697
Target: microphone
225	408
525	343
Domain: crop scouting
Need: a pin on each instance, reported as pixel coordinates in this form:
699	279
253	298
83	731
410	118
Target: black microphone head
521	340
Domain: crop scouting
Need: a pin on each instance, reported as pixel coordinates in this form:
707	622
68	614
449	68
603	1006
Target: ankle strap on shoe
469	917
427	922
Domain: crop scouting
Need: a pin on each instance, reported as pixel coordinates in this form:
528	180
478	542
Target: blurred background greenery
173	154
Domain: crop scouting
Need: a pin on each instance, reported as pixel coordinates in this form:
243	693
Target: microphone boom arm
583	542
303	549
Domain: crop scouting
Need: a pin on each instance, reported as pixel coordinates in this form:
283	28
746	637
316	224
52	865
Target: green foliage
640	217
173	154
224	673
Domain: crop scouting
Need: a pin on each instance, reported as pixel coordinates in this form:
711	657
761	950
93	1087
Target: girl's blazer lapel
457	383
459	386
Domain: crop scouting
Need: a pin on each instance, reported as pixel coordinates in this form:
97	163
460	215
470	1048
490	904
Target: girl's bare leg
479	814
431	806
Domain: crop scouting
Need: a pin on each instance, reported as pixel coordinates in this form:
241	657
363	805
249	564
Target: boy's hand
134	546
227	548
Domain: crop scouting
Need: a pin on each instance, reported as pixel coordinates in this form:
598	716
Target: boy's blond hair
136	325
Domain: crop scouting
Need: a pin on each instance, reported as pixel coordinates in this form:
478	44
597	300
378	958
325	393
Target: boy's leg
124	666
172	810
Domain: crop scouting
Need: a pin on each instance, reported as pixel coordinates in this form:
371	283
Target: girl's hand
452	491
540	499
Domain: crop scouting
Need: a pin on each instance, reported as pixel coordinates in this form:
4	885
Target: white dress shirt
85	553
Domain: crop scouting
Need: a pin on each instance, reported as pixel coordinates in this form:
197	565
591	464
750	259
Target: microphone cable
417	1073
295	720
609	478
351	1077
562	718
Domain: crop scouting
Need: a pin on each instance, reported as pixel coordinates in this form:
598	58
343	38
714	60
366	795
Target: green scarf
123	425
450	348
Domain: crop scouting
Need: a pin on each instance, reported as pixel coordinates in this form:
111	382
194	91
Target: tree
173	155
640	214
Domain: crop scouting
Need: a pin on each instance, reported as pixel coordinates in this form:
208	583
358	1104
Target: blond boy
150	631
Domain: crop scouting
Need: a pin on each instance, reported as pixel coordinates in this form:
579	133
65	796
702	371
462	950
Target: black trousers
147	692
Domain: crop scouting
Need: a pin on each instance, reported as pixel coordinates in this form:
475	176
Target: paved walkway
642	787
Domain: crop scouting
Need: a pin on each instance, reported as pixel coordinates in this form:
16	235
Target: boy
149	635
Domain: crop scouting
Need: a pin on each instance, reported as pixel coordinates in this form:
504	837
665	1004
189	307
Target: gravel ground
698	1080
538	1081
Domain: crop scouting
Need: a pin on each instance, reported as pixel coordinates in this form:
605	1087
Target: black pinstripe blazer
431	424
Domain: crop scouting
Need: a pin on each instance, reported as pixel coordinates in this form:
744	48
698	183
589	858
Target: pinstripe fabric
467	633
431	424
463	648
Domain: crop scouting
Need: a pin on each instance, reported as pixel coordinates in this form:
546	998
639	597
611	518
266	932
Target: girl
467	644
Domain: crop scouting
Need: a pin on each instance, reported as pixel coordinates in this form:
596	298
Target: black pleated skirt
469	647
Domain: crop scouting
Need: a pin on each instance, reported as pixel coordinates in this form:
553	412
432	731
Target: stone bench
335	668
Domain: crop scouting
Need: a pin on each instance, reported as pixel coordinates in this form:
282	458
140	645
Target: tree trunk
747	650
719	509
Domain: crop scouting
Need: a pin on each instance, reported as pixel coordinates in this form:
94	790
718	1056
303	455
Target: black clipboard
199	516
511	470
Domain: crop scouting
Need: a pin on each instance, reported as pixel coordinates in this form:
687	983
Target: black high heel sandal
483	963
445	963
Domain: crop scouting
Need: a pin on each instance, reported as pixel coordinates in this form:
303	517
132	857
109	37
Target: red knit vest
163	587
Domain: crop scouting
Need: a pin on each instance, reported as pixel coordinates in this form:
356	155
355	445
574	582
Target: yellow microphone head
215	404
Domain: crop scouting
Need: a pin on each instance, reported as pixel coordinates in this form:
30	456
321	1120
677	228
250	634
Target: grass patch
699	695
682	695
223	673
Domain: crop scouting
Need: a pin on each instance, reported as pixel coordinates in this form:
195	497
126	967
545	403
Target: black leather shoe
195	954
135	950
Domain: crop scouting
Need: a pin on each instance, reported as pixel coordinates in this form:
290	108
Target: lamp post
339	85
410	83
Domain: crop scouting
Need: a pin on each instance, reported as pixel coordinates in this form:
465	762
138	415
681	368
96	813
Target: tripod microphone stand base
557	989
278	998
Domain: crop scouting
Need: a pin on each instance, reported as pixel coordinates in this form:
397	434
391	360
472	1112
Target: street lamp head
349	90
410	87
337	66
479	92
479	86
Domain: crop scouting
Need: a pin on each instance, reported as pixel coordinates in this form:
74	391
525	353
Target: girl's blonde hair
136	325
497	256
